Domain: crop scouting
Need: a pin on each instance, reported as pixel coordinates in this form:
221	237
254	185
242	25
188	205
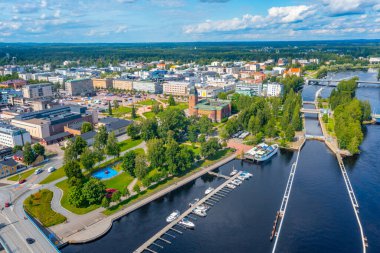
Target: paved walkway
131	185
100	227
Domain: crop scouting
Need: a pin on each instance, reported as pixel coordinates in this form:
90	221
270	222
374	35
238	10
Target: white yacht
267	153
242	178
203	207
209	190
233	172
187	223
200	212
236	182
174	215
231	186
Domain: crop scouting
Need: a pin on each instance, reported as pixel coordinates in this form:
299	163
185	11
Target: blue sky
187	20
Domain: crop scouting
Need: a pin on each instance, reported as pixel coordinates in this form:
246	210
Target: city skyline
187	21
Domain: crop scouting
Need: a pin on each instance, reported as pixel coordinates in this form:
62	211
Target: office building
176	88
79	87
40	90
11	136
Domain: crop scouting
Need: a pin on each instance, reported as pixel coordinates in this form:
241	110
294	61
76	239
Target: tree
72	169
86	127
149	129
133	130
156	108
125	191
105	202
94	191
136	188
76	198
16	148
171	100
156	152
192	133
87	159
112	147
116	104
141	166
210	147
175	120
101	138
205	125
116	196
70	153
171	153
185	159
378	75
133	112
289	133
109	108
129	162
29	155
79	145
39	149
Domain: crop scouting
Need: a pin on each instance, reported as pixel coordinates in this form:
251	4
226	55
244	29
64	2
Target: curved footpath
103	225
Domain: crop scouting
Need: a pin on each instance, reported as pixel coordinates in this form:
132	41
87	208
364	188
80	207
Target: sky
187	20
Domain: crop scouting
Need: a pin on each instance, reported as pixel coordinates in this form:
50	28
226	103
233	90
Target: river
319	217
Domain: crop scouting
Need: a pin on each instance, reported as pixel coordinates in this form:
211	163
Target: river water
319	217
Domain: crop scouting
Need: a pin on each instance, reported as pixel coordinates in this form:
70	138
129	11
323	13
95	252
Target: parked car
22	181
37	171
7	204
51	169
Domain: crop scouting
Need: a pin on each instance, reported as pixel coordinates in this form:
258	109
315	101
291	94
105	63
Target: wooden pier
219	175
205	200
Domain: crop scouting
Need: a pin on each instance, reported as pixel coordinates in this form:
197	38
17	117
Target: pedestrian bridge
313	111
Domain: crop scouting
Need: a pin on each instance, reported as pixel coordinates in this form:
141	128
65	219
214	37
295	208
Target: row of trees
349	114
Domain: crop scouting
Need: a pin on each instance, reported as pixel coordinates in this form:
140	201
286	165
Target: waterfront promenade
103	225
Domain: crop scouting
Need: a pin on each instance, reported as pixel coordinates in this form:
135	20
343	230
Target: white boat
187	223
209	190
267	153
203	207
233	172
242	178
231	186
200	212
236	182
174	215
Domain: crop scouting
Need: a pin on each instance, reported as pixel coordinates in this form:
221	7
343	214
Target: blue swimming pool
105	173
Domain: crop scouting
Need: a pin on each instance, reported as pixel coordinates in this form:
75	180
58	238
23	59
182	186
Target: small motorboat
231	186
236	182
203	207
209	190
200	212
233	172
187	223
174	215
194	202
242	178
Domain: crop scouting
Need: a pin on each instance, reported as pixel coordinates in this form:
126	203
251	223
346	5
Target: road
14	227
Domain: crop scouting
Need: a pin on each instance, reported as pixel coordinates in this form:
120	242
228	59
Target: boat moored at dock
174	215
209	190
187	223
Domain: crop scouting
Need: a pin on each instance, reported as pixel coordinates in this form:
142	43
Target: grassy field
119	182
38	205
195	149
127	144
181	106
59	173
165	183
148	102
121	111
149	115
23	175
65	200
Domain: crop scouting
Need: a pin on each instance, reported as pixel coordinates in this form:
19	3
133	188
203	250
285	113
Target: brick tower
193	101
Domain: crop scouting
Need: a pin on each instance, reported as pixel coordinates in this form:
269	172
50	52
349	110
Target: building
209	91
14	84
122	84
45	123
102	83
40	90
214	109
11	136
274	89
249	89
115	125
147	86
292	71
9	167
176	88
374	60
79	87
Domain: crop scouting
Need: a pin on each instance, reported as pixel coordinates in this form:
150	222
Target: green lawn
119	182
22	175
127	144
148	102
65	200
38	205
181	106
149	115
121	111
195	149
59	173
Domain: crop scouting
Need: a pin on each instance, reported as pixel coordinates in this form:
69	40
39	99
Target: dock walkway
219	175
162	232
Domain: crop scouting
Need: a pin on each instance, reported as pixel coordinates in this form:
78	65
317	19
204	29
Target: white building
176	88
11	136
374	60
209	91
274	89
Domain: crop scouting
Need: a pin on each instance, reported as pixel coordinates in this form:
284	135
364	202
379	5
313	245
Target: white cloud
346	7
290	14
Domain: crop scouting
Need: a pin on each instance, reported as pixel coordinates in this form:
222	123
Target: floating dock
170	227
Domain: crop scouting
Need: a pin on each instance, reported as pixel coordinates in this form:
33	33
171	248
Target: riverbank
102	225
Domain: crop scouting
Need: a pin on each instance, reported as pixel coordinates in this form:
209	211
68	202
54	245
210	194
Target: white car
51	169
37	171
